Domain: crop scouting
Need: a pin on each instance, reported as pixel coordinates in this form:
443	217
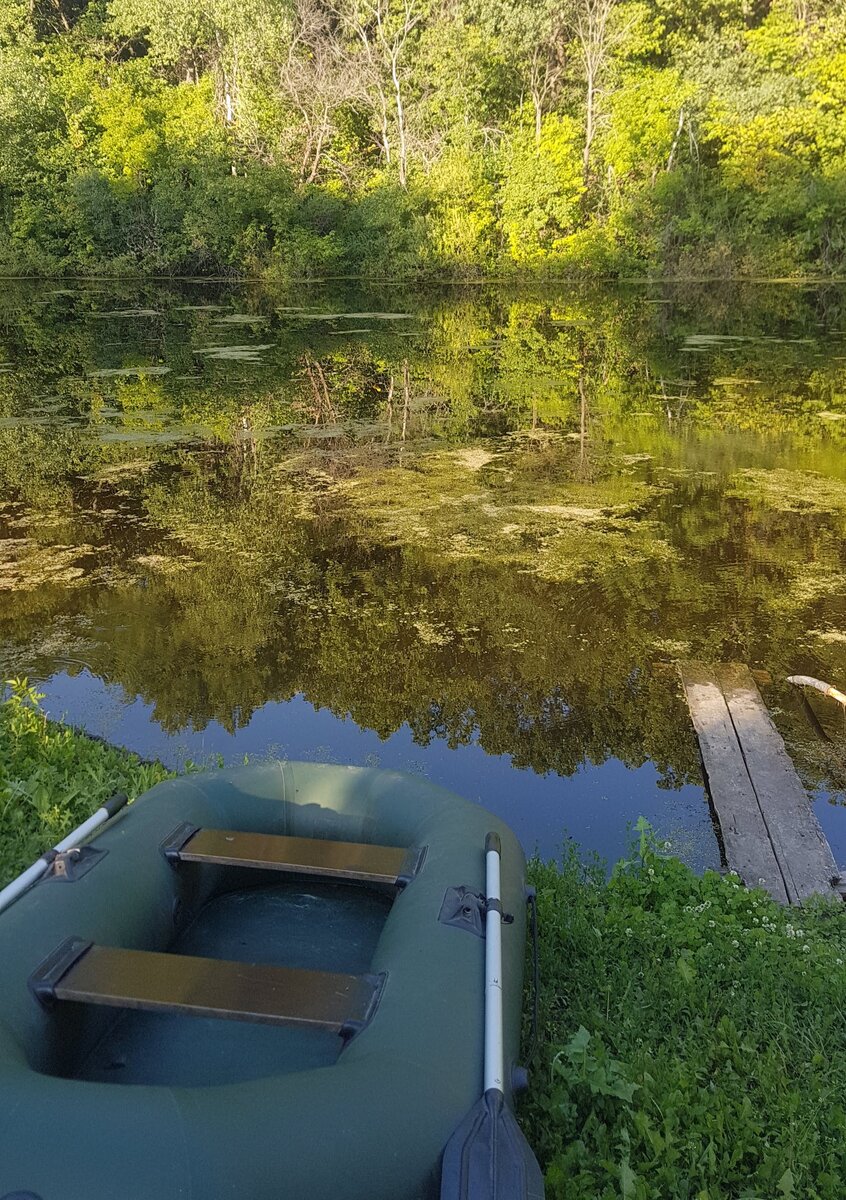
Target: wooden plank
804	855
309	856
748	847
207	987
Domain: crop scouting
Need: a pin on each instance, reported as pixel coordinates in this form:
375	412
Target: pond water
462	532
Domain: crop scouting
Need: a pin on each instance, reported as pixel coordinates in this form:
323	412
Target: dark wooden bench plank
748	846
802	850
206	987
311	856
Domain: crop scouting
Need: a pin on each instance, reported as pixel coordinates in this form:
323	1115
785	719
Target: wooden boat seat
356	861
206	987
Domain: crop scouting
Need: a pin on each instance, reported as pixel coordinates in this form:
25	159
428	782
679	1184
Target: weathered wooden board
206	987
802	849
749	848
770	832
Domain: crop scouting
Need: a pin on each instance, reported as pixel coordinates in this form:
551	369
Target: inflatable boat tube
122	1080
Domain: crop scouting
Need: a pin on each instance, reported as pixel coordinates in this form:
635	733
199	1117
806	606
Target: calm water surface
465	533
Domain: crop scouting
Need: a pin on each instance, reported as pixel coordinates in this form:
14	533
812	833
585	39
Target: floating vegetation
809	583
26	564
790	491
428	504
128	312
240	319
474	457
235	353
149	369
22	422
168	563
144	437
671	647
727	339
359	316
321	431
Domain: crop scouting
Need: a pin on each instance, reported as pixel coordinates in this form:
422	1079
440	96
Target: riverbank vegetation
397	138
52	778
691	1036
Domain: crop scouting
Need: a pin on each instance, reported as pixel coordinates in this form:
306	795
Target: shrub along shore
396	139
692	1034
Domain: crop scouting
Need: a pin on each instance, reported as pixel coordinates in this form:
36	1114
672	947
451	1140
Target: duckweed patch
26	564
468	505
791	491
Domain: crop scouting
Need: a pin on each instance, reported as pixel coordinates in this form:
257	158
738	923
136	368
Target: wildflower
735	942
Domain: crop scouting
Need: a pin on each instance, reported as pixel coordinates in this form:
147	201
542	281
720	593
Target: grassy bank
693	1040
692	1035
51	778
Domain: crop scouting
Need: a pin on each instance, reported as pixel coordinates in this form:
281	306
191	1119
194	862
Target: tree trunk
401	136
672	158
590	119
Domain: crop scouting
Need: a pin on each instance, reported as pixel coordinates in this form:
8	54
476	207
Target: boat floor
318	927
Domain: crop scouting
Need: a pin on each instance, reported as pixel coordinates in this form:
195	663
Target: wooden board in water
770	832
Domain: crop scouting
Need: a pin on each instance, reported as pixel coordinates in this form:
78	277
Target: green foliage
52	778
541	190
692	1041
384	139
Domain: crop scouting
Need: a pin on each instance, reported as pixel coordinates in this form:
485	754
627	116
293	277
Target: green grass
692	1033
52	778
692	1038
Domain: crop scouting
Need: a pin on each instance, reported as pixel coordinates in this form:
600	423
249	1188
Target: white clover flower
735	942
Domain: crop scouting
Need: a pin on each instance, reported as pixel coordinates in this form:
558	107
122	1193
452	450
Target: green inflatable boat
265	983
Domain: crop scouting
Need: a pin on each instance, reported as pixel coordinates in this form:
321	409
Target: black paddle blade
488	1158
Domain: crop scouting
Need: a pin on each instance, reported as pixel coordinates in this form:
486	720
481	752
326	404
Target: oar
14	889
488	1158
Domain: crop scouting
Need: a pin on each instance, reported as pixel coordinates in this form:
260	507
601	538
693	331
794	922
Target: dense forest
393	138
